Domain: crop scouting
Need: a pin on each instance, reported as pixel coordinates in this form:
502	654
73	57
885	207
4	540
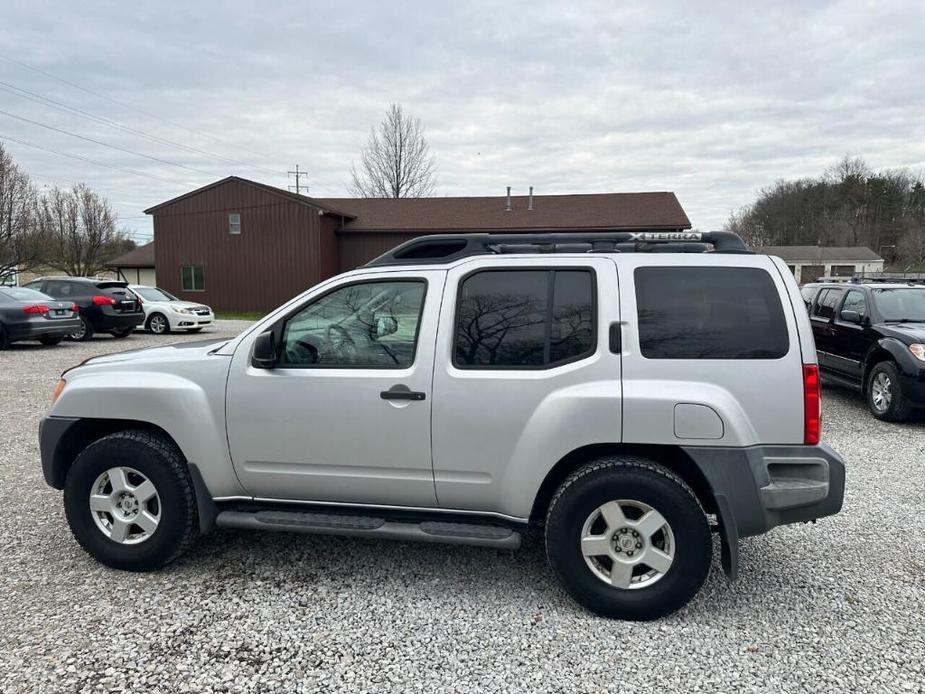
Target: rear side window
709	313
825	304
510	319
65	289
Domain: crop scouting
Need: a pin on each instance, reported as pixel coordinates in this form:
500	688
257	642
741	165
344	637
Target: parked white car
165	312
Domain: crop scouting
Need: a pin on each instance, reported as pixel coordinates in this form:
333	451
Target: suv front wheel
129	501
884	393
628	539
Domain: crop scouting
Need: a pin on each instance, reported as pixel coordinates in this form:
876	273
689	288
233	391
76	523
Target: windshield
23	294
903	304
154	294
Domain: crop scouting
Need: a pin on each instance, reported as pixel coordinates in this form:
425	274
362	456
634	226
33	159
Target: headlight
59	387
918	351
184	311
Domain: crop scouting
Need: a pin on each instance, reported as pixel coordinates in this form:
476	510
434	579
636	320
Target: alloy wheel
627	544
158	324
125	505
881	392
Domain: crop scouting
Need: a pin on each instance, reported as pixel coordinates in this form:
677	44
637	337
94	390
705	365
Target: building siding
355	248
284	247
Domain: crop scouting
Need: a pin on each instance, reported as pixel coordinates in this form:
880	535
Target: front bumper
760	487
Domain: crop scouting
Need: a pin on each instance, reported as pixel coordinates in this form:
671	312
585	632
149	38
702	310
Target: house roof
143	256
273	190
615	211
585	211
821	254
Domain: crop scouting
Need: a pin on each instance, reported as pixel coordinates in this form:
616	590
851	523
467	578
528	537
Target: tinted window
64	289
808	293
855	301
825	304
901	303
524	318
370	324
709	313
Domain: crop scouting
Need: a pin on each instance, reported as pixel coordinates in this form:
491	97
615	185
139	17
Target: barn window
193	278
234	223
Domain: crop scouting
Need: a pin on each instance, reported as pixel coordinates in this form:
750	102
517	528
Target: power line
129	106
298	178
104	144
82	158
38	98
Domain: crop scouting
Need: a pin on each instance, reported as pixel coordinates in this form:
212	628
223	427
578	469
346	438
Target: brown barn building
239	245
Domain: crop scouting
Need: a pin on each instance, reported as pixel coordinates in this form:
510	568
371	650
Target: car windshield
23	294
154	294
901	304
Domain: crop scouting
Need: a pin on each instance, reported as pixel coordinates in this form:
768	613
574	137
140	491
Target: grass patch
241	315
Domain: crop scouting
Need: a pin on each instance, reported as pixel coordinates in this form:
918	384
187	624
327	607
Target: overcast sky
710	100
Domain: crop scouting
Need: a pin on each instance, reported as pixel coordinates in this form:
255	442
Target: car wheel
84	332
158	324
124	332
129	501
4	338
628	538
885	398
50	341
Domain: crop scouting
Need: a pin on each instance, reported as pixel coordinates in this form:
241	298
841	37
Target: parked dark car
26	314
105	305
871	336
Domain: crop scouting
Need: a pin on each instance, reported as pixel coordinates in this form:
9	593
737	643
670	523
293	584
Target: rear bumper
117	321
44	327
761	487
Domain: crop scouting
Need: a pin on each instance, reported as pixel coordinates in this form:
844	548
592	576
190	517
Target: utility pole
298	179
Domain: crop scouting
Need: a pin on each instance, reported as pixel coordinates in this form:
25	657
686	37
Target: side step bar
374	527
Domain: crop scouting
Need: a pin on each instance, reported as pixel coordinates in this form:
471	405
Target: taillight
812	405
75	308
103	300
38	308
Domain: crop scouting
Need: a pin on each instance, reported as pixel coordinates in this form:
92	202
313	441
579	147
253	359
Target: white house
814	263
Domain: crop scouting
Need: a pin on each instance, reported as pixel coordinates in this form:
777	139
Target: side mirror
386	325
264	354
851	316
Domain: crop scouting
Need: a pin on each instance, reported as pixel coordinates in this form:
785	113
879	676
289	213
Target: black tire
898	409
158	324
645	481
50	341
4	338
122	332
85	333
163	464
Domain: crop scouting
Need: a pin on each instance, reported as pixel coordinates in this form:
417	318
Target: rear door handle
401	392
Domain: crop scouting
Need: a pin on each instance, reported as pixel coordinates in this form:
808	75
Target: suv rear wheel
129	501
628	539
84	332
884	393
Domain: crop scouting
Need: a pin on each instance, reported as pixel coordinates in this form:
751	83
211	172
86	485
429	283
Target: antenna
298	180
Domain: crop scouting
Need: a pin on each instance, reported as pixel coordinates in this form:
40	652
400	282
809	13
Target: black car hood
905	332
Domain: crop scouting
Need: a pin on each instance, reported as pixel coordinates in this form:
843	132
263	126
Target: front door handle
401	392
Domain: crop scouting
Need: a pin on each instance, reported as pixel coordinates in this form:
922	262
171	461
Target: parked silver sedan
26	314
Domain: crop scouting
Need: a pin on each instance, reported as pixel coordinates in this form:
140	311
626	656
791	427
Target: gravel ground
836	606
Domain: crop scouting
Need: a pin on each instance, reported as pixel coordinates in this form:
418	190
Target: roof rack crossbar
444	248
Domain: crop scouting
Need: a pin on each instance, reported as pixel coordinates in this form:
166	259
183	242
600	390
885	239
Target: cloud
712	100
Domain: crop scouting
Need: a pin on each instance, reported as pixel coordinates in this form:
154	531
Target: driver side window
363	325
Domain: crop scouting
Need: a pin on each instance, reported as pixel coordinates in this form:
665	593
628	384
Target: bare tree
397	162
81	230
20	239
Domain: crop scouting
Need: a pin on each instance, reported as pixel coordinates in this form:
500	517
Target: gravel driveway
836	606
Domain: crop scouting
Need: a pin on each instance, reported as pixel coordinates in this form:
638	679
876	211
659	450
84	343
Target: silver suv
627	393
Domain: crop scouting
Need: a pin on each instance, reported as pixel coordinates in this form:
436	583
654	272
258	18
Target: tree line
848	205
70	230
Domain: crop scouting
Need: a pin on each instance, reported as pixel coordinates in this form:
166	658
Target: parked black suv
105	305
871	336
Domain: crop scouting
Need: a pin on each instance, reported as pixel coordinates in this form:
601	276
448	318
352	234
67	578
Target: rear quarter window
709	313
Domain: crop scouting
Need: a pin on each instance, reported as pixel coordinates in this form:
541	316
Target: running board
374	527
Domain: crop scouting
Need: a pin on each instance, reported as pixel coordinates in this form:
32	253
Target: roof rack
445	248
912	281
